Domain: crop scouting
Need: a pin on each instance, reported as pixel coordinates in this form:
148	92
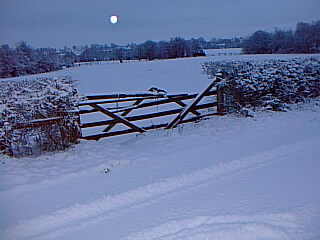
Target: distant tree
316	36
8	59
282	41
47	59
303	37
163	50
149	50
202	43
194	46
307	37
258	43
177	48
25	59
117	52
138	52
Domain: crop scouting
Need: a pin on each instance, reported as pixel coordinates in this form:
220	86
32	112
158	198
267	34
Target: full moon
114	19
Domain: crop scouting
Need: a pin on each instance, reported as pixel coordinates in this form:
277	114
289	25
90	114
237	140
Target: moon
114	19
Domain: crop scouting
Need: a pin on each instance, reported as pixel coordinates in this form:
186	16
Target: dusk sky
58	23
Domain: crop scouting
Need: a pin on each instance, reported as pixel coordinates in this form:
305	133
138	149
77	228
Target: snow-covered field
175	75
223	178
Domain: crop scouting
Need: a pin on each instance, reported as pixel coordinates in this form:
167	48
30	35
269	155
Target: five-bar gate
138	113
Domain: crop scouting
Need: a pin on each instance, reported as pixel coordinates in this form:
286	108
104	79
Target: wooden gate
138	113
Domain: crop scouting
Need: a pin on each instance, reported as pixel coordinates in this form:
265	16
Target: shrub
270	84
26	106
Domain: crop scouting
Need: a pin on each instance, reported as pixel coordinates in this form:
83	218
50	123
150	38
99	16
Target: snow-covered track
65	219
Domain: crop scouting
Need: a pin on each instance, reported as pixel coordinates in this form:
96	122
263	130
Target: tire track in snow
271	226
67	216
276	226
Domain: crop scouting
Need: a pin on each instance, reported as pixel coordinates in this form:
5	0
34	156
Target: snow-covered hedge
24	106
269	84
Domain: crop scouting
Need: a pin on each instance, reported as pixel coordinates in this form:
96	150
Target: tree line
305	39
150	50
25	60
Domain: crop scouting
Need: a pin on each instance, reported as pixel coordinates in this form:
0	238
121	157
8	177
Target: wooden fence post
220	101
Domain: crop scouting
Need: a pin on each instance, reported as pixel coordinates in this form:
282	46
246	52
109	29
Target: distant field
223	51
174	75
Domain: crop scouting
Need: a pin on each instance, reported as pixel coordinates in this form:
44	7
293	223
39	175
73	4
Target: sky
58	23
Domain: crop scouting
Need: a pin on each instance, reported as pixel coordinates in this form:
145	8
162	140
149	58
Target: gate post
220	101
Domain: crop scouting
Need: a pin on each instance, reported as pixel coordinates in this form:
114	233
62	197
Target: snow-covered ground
222	178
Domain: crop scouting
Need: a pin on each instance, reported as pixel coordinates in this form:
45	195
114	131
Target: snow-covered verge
24	102
223	178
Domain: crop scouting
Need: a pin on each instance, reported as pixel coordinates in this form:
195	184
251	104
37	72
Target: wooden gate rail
118	100
147	116
151	127
122	95
165	99
38	123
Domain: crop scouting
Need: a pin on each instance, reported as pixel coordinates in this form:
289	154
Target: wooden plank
93	110
182	104
98	124
109	134
144	105
146	116
205	105
155	115
128	96
116	117
220	99
133	118
117	133
171	99
149	104
121	95
187	109
155	103
184	96
37	123
84	103
125	113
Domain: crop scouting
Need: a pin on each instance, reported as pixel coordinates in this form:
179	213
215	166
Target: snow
222	178
223	51
174	75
